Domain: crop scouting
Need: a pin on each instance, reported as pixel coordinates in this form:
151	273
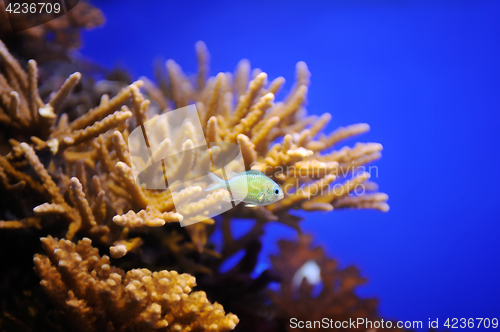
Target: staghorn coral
277	138
66	169
98	297
52	45
296	163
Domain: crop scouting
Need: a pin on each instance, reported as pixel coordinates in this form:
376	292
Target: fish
252	187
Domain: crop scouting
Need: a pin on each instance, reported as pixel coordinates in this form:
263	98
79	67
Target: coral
66	170
277	138
98	297
52	46
336	300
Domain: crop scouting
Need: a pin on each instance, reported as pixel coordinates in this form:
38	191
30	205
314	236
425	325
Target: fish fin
250	205
261	197
216	182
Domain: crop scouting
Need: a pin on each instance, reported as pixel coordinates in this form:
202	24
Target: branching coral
98	297
277	138
79	200
69	168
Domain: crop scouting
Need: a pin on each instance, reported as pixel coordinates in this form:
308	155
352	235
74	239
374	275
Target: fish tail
217	182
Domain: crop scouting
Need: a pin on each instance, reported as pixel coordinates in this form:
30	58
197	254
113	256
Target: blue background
423	74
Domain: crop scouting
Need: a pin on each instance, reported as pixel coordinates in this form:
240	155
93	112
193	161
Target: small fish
252	187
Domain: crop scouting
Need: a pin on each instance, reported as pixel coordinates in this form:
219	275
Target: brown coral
337	299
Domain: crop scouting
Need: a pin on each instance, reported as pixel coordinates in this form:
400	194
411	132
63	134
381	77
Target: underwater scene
249	165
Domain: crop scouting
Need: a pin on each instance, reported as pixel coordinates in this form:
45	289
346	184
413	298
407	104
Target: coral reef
98	297
277	138
65	171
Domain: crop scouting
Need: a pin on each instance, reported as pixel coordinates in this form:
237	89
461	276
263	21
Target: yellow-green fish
252	187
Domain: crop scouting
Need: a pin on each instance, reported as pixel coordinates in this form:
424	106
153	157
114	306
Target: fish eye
276	191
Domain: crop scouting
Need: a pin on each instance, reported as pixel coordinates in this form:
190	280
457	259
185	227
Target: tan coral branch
49	110
134	190
47	181
80	136
105	109
82	204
